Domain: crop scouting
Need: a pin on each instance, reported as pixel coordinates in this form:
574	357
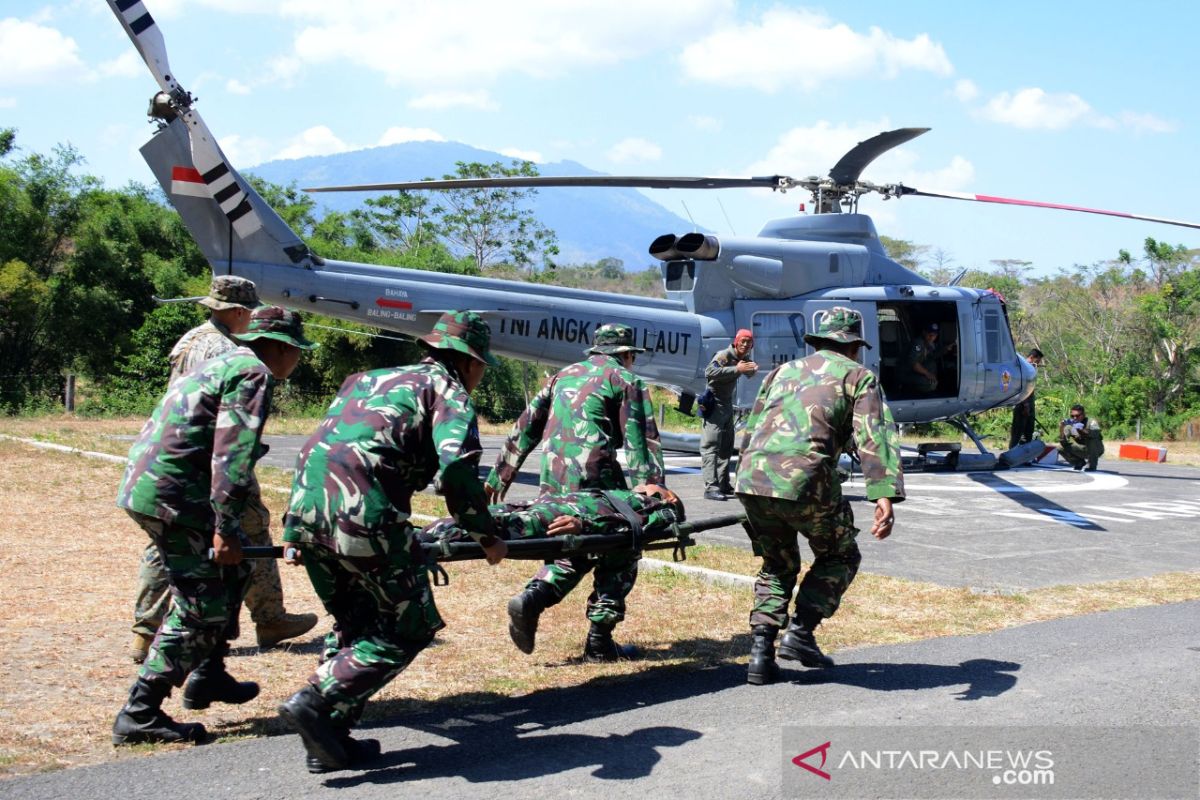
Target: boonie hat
273	322
230	291
463	332
840	324
611	339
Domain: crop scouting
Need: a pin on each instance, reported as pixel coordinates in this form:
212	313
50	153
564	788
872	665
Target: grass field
68	562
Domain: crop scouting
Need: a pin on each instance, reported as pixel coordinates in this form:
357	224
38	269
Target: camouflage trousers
264	597
205	601
773	526
612	581
716	446
1079	454
384	615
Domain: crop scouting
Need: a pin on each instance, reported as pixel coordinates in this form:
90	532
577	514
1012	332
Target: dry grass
71	558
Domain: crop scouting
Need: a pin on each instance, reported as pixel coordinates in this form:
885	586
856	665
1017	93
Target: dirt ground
68	564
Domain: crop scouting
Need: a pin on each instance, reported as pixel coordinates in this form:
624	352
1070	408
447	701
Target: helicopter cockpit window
993	340
918	350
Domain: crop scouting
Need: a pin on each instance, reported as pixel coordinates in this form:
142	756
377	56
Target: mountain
590	223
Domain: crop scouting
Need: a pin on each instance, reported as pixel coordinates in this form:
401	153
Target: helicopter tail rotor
218	178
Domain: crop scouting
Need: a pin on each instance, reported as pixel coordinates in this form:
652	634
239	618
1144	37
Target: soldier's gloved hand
226	550
494	550
564	525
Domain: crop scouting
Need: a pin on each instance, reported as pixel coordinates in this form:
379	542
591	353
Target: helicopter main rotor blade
779	182
206	155
900	190
846	171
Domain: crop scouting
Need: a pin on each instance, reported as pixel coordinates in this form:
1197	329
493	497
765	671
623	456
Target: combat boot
307	713
525	609
358	752
142	719
288	626
763	669
601	647
210	683
799	643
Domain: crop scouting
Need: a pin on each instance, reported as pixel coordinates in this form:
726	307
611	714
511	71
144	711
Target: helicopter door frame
779	329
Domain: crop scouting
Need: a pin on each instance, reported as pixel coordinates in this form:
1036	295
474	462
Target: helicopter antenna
727	221
689	213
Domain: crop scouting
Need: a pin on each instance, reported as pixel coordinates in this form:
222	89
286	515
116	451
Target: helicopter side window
991	336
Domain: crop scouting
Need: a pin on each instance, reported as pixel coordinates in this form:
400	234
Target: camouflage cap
230	291
840	324
613	338
464	332
273	322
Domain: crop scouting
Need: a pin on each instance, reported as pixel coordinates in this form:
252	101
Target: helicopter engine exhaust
699	246
663	248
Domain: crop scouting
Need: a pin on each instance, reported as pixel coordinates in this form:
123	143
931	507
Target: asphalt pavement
674	732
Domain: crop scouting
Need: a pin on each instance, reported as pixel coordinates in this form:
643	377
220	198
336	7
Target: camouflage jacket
721	374
193	462
585	414
806	414
387	434
530	520
199	345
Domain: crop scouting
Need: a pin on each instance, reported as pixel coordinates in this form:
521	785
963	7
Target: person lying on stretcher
586	512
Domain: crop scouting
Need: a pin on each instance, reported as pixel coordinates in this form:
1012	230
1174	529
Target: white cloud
234	86
469	42
245	151
804	49
8	102
705	123
318	140
965	90
632	150
439	101
398	135
1034	108
35	54
523	155
1146	123
127	65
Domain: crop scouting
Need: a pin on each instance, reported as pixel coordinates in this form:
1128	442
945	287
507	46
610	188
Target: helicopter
778	284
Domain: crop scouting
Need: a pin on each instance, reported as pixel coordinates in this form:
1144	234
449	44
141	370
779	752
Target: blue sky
1089	104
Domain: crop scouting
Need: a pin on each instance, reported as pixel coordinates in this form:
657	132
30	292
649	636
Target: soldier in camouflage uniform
807	412
231	299
716	441
212	415
584	513
923	358
387	434
582	417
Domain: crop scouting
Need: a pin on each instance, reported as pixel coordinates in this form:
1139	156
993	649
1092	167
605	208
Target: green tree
905	252
494	224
